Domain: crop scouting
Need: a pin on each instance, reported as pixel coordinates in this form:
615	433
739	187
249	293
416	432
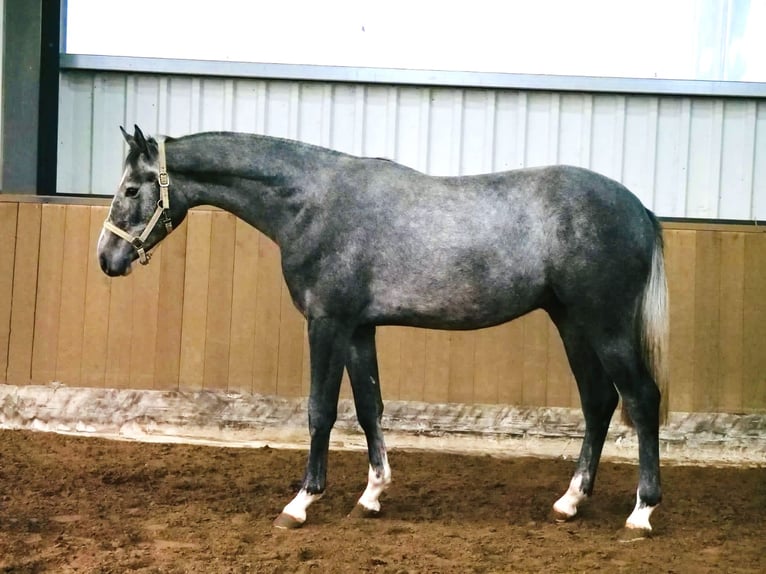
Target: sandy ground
75	504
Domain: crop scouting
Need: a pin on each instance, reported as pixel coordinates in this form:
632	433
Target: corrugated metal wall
699	157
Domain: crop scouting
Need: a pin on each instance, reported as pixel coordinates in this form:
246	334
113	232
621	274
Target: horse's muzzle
112	267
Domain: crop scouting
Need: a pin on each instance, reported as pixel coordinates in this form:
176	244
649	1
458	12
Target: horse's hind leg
622	359
362	366
599	399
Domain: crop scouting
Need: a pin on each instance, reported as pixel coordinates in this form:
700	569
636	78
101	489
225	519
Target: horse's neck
265	181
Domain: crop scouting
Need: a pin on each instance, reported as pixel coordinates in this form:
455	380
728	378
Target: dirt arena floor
71	504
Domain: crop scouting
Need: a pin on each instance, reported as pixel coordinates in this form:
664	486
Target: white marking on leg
639	518
376	484
298	505
567	504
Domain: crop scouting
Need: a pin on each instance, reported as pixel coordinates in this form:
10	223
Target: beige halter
162	212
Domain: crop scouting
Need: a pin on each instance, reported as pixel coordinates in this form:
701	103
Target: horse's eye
131	191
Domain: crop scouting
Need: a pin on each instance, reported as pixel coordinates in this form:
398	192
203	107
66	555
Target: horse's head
140	215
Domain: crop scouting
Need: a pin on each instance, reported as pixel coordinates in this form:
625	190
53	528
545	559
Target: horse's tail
653	323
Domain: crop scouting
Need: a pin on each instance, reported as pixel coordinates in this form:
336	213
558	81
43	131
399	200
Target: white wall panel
683	156
672	156
759	162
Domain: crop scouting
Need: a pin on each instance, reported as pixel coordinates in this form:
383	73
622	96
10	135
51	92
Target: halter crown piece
161	212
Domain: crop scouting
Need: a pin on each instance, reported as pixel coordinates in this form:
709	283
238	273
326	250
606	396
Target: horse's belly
467	306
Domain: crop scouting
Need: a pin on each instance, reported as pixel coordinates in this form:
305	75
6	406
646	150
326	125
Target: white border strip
255	420
71	62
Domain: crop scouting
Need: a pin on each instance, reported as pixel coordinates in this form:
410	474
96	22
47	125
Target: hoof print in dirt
628	535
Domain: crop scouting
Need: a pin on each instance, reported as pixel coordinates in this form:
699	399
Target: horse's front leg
362	366
328	343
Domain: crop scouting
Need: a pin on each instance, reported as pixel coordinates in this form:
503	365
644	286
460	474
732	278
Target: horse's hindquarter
600	241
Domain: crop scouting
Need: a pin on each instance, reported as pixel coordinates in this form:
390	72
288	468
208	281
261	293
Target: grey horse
367	242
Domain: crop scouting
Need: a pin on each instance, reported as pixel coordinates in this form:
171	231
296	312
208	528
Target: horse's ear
128	138
140	140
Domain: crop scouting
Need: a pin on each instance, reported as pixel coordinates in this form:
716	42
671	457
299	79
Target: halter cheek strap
160	213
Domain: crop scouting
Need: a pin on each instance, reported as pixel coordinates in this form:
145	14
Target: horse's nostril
102	262
107	267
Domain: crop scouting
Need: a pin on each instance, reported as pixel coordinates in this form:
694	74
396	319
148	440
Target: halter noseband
161	212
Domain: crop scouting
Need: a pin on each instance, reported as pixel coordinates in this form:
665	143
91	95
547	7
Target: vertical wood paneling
290	366
144	311
489	352
511	384
96	321
731	327
120	333
707	282
8	218
219	301
388	342
243	308
345	387
73	281
195	307
680	261
437	363
170	305
25	265
535	362
267	316
412	364
212	311
754	393
560	382
48	303
462	367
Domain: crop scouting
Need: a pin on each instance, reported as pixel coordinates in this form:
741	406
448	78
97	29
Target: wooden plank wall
211	312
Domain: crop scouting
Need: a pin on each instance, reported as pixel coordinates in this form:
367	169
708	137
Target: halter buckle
163	179
165	217
143	256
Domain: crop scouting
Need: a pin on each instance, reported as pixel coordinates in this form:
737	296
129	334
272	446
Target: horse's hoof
361	511
559	517
287	522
